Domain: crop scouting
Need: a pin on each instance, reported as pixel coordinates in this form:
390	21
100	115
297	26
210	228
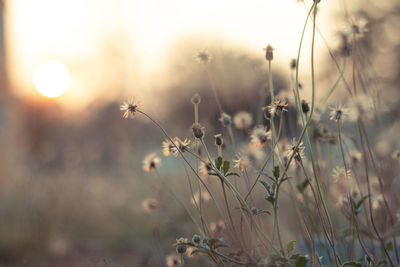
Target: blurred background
71	177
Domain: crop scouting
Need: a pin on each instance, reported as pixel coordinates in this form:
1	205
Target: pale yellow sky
80	34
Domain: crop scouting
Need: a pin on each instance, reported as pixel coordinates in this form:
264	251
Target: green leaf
266	185
302	186
300	260
357	207
382	263
389	246
290	246
270	199
352	263
276	172
225	168
218	162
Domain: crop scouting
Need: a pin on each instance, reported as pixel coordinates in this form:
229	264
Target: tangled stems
306	124
240	200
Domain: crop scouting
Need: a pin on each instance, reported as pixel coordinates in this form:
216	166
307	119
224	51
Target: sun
52	78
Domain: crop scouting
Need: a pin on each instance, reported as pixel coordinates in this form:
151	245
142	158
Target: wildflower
362	105
218	139
205	168
242	120
357	27
269	54
342	201
198	130
172	260
355	157
149	205
205	196
278	107
339	173
130	108
260	135
377	202
217	227
338	112
174	148
151	162
203	57
241	163
297	154
225	119
196	99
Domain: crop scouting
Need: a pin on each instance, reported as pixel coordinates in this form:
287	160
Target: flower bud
196	99
218	139
269	54
196	239
181	248
198	130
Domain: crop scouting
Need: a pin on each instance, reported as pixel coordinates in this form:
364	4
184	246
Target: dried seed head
218	140
269	54
305	107
196	99
198	130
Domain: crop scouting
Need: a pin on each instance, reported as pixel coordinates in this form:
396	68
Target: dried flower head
205	197
196	99
130	108
355	157
357	26
205	168
298	154
241	163
260	136
203	57
150	204
338	112
339	173
269	52
225	119
243	120
170	148
198	130
266	112
377	201
217	227
172	260
278	107
151	162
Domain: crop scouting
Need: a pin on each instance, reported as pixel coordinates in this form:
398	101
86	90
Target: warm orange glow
52	78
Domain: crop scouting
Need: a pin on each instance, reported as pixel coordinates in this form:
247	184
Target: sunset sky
84	35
